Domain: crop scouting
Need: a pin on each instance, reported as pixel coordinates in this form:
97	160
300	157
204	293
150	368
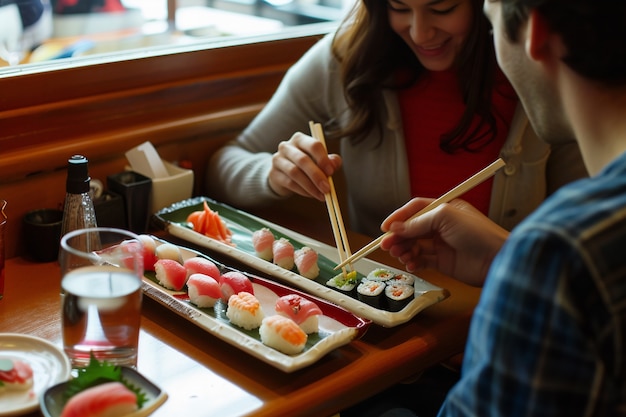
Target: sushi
244	310
344	282
263	240
371	292
398	296
202	266
15	375
380	274
170	274
302	311
402	279
149	252
282	334
306	262
234	282
109	399
283	253
203	290
169	251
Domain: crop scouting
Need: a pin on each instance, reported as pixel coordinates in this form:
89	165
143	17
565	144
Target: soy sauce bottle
78	212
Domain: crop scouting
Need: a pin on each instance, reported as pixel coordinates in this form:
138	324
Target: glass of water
101	270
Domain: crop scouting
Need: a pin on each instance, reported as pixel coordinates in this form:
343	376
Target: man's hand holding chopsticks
302	166
454	238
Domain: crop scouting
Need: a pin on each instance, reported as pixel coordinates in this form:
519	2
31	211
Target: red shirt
433	107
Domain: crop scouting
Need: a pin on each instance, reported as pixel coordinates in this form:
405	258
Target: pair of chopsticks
334	212
457	191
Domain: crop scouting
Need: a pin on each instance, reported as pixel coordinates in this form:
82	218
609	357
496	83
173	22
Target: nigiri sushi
110	399
149	252
283	253
234	282
15	375
170	274
203	266
244	310
169	251
282	334
306	262
262	240
301	310
203	290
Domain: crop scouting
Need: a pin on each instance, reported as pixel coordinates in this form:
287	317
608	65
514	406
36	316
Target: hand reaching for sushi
454	238
302	166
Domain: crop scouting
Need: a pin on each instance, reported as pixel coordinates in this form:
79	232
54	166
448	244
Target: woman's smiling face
435	30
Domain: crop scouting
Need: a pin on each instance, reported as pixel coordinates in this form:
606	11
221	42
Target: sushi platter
243	225
336	326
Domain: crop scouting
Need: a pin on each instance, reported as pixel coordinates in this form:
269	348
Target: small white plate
49	363
52	401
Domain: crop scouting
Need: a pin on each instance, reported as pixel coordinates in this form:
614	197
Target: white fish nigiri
283	253
306	262
262	240
105	400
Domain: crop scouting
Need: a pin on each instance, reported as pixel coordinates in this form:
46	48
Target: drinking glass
3	221
101	272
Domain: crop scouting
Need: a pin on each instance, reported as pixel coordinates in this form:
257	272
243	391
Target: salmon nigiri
263	240
110	399
301	310
283	253
306	262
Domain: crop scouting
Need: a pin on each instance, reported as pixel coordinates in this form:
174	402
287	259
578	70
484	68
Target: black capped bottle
78	212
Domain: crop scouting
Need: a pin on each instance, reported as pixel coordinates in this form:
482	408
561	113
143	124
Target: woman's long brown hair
371	53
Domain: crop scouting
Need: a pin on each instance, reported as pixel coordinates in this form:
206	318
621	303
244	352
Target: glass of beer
101	272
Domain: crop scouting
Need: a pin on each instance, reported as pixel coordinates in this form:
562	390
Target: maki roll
380	274
345	283
371	292
398	296
403	279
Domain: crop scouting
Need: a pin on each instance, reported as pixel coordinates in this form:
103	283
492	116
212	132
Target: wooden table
205	376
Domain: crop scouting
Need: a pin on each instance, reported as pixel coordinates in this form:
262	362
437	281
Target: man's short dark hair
593	31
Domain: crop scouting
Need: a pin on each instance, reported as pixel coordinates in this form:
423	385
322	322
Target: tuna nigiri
202	266
203	290
283	253
170	274
234	282
262	240
110	399
306	262
282	334
301	310
149	252
15	374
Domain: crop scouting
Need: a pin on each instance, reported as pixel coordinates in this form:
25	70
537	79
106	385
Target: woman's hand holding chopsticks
454	238
302	166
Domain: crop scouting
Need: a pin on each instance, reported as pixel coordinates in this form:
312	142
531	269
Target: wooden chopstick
457	191
334	212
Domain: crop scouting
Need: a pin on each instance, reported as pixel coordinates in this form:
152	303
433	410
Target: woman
412	92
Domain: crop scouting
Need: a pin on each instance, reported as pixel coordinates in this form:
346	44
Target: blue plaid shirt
548	337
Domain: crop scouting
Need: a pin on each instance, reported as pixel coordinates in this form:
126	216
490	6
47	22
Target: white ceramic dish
52	401
49	363
337	326
243	225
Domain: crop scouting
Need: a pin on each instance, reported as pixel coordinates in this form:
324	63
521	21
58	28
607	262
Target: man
548	337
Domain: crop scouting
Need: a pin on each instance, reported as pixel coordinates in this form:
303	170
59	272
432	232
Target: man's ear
538	37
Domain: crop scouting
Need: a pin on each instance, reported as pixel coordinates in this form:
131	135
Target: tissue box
176	187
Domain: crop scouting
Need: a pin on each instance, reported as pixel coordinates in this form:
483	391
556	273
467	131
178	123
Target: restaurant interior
188	76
